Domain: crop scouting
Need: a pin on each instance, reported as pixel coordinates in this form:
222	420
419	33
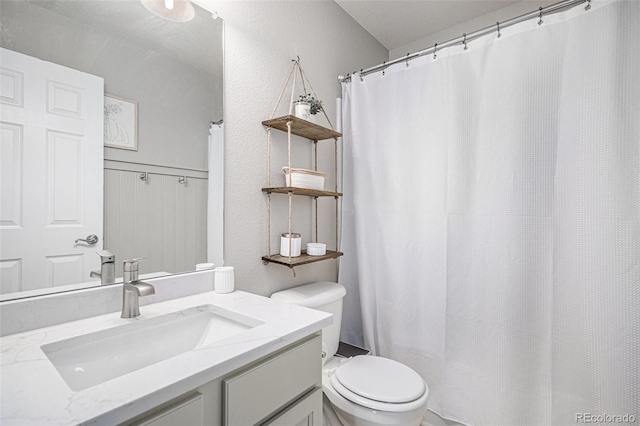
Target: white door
51	173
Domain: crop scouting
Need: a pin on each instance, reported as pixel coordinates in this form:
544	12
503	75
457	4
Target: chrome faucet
107	272
132	289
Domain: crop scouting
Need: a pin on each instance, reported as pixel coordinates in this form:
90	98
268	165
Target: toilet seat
380	384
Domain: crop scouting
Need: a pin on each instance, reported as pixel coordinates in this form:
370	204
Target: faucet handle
130	270
132	265
106	256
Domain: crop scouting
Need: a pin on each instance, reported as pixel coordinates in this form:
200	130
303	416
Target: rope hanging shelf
296	126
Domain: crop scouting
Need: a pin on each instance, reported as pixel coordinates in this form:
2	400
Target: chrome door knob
91	239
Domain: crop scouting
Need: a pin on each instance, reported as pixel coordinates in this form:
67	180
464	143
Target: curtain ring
407	60
435	49
498	24
464	41
588	6
361	76
540	16
383	67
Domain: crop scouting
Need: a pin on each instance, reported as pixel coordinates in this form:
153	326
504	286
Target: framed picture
120	123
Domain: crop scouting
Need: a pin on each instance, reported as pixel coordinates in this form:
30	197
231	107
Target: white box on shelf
303	178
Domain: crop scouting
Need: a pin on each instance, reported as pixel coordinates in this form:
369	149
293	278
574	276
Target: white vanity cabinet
188	411
283	388
265	389
305	412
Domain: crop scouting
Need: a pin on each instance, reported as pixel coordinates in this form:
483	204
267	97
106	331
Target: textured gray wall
261	39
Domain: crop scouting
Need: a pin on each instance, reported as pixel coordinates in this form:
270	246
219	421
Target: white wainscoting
159	218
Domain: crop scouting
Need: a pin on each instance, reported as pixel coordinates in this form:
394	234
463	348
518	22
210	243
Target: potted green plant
307	107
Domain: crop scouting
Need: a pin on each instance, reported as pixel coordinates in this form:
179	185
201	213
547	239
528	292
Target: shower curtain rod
465	38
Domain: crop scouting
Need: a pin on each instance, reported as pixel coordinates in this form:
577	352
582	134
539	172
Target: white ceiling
130	19
395	23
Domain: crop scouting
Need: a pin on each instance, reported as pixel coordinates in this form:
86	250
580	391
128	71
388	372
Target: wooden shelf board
303	259
302	191
303	128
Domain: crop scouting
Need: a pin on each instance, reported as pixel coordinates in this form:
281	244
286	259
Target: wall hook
384	67
407	63
144	176
435	50
182	179
588	6
464	41
540	16
498	24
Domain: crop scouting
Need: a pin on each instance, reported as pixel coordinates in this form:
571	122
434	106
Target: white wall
261	39
524	6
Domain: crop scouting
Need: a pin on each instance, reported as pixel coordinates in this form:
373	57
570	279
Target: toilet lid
380	379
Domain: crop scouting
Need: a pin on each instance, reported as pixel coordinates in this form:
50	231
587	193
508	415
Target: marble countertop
33	393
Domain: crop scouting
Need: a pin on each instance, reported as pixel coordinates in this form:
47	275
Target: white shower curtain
215	195
491	223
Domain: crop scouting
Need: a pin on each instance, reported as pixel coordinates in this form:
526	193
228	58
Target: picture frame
120	123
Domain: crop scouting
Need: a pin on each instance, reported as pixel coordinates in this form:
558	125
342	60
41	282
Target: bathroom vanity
204	359
281	389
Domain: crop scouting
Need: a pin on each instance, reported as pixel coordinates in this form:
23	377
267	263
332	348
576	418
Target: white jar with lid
296	244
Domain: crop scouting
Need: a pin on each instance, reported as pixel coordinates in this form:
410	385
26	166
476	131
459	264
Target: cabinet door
306	412
187	412
261	391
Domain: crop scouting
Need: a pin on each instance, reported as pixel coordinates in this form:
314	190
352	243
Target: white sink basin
94	358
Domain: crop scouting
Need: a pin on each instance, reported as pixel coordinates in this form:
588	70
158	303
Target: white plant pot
302	110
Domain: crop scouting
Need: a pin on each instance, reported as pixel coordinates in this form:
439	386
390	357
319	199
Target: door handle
91	239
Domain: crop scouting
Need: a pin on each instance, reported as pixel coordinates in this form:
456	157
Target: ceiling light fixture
172	10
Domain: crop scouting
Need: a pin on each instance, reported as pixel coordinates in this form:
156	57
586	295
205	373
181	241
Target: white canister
296	244
224	281
316	249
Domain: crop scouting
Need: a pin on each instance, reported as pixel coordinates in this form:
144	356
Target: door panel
11	175
51	122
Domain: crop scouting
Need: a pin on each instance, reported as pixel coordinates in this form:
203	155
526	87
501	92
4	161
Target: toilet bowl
357	410
365	390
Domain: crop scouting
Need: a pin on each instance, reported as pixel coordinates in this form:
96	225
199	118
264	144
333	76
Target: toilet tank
323	296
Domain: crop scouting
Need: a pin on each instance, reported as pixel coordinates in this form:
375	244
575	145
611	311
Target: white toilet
363	390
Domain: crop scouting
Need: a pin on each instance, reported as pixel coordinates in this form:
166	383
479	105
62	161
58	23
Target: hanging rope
316	96
282	92
316	217
269	223
304	87
268	193
337	218
305	80
269	157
